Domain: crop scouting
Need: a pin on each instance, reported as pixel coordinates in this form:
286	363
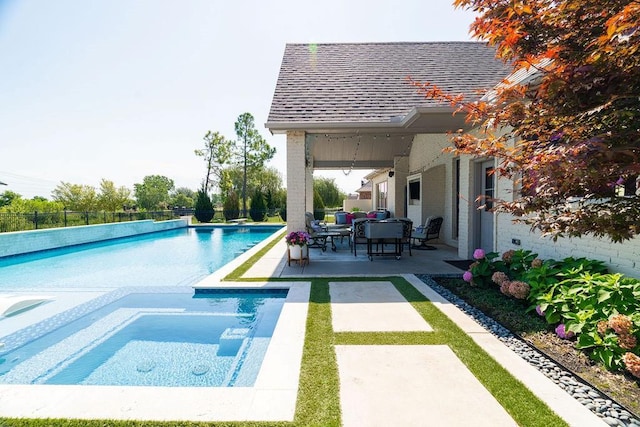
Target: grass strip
318	394
237	274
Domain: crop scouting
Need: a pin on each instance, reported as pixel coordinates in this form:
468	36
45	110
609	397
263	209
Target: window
414	190
630	187
382	195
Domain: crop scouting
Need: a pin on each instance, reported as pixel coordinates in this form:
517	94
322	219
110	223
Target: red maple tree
565	125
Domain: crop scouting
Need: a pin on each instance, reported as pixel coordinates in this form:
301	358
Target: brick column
296	181
309	177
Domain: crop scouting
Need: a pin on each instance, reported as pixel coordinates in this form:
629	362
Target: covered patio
342	262
353	106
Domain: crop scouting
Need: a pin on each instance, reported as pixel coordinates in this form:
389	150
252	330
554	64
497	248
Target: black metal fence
40	220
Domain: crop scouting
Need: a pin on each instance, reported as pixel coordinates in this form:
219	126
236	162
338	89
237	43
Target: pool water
168	258
174	338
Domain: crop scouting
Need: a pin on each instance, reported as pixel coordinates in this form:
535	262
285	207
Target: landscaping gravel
611	413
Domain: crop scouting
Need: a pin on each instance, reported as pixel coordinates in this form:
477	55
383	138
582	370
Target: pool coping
272	398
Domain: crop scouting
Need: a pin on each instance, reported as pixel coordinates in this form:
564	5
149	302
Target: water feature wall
20	242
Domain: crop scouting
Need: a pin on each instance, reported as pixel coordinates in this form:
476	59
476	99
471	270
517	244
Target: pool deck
385	385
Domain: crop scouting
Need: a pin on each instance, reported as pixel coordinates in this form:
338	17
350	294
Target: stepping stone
372	307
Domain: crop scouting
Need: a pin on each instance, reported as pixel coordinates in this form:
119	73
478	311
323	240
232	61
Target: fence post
35	219
86	217
65	217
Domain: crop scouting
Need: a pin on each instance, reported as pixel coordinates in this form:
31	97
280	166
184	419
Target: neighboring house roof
366	187
367	82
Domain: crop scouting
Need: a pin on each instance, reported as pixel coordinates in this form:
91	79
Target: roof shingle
367	82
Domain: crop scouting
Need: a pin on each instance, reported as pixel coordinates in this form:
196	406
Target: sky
122	89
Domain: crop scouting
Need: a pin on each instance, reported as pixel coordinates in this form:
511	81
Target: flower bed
599	310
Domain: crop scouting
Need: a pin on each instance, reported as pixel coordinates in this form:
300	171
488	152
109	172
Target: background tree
204	208
76	197
328	190
216	153
112	199
153	193
252	151
183	198
575	117
264	179
258	210
318	206
7	197
39	204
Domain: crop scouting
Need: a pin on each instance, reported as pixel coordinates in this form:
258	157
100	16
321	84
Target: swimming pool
168	258
170	337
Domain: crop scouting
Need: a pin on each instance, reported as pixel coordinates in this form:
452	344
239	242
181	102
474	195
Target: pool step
231	340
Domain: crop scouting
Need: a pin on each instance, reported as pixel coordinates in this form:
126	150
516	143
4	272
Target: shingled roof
366	83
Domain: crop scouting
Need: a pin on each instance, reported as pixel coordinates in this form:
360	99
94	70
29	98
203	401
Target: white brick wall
436	167
297	175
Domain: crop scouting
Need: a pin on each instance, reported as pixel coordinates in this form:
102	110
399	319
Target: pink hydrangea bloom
467	276
478	254
562	332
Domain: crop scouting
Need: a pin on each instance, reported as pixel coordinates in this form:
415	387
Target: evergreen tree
204	208
258	208
318	206
231	206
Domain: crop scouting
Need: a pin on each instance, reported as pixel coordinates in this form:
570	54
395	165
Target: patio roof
356	105
360	88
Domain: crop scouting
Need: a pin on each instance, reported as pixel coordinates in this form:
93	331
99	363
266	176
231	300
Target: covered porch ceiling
373	145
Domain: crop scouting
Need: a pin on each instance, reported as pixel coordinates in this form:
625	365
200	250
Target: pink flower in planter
563	333
467	276
478	254
539	311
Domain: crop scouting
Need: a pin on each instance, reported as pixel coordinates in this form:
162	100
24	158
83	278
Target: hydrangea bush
576	296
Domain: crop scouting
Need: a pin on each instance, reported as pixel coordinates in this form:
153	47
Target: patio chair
316	231
407	231
357	234
429	231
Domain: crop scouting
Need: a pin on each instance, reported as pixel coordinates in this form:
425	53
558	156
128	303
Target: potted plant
298	248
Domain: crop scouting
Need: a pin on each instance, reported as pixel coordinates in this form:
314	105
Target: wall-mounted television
414	190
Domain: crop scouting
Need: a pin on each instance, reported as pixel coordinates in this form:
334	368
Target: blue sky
121	89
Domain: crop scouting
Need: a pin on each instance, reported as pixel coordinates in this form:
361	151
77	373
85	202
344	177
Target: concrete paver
372	307
401	385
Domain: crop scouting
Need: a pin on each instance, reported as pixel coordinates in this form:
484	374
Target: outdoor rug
462	264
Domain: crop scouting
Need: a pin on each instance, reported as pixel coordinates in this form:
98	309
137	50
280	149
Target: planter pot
299	253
